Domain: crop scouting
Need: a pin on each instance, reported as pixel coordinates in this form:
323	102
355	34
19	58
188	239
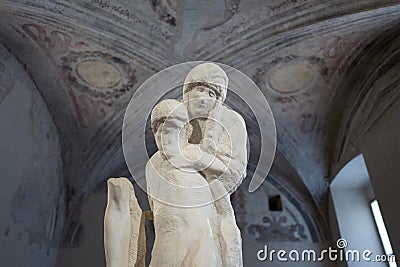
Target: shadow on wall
369	102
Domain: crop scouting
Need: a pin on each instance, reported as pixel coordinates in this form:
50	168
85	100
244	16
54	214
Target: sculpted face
168	121
202	100
170	135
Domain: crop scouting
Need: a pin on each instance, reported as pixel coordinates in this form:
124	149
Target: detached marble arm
117	223
124	236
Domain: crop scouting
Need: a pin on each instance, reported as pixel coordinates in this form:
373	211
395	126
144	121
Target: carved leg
225	229
137	244
233	242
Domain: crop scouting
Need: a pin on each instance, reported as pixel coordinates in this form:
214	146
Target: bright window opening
387	247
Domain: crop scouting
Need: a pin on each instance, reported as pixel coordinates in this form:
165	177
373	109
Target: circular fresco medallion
98	73
292	77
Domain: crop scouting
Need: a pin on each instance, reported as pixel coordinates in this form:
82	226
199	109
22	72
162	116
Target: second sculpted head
205	88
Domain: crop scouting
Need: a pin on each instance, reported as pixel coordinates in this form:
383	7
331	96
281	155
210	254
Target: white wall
350	213
32	197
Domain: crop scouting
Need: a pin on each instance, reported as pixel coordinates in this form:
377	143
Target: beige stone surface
124	239
202	158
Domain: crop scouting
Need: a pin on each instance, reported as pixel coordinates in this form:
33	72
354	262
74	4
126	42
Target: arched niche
296	225
367	92
351	217
32	187
364	119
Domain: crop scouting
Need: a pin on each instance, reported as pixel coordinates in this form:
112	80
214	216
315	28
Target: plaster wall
32	194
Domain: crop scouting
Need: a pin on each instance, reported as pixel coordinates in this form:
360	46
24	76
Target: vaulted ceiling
88	57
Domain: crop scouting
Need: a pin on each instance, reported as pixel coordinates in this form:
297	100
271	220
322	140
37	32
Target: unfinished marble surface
184	230
124	237
202	158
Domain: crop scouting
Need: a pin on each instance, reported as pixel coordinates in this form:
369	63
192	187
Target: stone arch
367	92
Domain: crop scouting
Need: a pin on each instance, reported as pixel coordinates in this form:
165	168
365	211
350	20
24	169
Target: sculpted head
169	123
205	87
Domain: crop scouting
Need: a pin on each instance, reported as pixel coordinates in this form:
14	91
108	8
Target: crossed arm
228	164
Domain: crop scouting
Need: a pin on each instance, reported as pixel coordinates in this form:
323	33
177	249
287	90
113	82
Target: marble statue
201	160
183	234
224	133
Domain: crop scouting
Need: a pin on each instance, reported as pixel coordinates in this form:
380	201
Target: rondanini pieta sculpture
201	159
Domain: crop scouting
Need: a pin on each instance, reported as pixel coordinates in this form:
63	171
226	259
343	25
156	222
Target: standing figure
183	234
221	132
202	159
